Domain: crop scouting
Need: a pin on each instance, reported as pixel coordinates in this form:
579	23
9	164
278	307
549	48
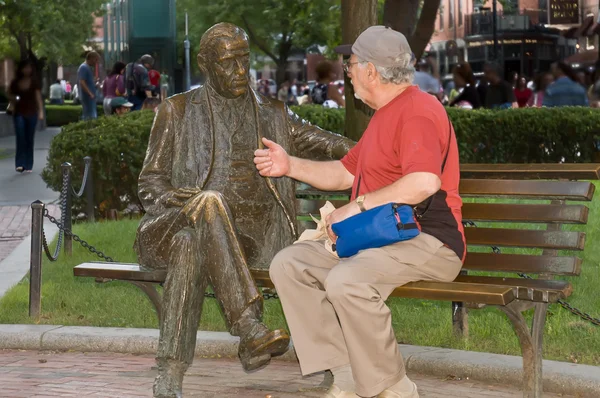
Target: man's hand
344	212
181	196
273	161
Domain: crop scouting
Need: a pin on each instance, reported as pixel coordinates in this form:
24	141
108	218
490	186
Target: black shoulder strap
430	199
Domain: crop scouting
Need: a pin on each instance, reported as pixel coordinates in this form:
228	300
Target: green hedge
329	119
530	135
61	115
118	144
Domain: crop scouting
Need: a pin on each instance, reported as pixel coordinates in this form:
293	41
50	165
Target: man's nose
241	67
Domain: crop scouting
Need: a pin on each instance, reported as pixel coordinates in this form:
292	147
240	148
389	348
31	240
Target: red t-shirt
154	77
408	135
523	96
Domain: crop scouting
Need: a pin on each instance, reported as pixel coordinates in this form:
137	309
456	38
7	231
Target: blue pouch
377	227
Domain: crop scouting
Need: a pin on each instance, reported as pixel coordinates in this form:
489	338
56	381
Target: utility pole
186	45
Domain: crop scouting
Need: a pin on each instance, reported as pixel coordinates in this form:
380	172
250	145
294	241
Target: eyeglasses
347	65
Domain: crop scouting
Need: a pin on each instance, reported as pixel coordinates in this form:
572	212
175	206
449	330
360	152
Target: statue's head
224	58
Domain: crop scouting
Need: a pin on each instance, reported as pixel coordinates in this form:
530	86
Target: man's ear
371	72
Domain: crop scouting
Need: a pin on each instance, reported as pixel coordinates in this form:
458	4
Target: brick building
529	37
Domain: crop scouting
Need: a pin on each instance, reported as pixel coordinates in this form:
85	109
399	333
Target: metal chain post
35	259
66	206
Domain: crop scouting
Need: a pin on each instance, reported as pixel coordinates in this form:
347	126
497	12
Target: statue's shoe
260	344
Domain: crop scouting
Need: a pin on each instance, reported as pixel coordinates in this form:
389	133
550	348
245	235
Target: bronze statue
209	214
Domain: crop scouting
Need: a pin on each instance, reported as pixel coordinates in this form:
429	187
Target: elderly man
209	214
335	308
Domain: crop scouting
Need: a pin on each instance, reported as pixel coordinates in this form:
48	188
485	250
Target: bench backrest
510	225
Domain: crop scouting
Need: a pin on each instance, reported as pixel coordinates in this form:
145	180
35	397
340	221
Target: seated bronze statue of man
210	216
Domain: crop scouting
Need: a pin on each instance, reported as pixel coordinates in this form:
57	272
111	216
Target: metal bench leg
531	344
153	295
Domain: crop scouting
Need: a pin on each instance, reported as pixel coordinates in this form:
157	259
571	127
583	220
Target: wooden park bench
491	249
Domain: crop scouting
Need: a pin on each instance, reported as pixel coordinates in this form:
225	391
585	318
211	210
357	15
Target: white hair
402	72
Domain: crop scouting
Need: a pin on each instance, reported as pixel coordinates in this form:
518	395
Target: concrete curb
559	377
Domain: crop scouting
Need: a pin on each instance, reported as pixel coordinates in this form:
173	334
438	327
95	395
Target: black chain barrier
267	293
84	182
563	303
63	211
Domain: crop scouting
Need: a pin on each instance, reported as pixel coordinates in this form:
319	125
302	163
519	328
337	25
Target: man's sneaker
336	392
393	394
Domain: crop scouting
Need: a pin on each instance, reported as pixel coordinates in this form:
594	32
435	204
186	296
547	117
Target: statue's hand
273	161
180	196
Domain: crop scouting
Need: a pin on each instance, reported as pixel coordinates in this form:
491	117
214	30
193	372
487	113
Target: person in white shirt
57	94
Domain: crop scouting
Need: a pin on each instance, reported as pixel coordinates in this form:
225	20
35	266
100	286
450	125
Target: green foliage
54	29
546	135
328	119
274	27
61	115
117	145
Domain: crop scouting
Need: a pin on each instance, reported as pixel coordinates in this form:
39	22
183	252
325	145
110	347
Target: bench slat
560	214
575	171
121	271
529	239
557	190
443	291
521	189
491	262
540	291
499	212
558	240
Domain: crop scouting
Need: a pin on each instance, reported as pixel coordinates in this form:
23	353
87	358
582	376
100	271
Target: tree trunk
357	15
401	15
281	74
23	49
425	27
285	47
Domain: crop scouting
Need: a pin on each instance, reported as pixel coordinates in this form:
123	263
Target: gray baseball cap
378	44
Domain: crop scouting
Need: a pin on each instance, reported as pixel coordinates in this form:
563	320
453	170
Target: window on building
451	15
441	15
460	12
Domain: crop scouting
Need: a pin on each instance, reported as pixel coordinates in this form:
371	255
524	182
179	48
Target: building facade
531	34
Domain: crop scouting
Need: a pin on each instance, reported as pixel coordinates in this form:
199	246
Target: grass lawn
68	300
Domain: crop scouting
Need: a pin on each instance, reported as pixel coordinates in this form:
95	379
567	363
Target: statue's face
230	75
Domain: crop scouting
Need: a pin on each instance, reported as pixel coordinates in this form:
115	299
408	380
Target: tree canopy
51	29
275	27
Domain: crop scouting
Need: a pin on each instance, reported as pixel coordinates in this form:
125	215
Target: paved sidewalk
15	225
47	374
22	189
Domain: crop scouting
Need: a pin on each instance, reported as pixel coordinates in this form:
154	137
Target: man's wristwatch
360	202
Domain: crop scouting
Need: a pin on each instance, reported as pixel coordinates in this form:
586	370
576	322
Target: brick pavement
15	225
75	374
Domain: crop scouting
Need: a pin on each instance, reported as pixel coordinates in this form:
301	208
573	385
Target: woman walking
114	86
26	100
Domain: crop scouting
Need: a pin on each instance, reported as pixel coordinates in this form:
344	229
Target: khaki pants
335	307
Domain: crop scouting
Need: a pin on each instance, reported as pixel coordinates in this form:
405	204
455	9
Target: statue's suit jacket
181	154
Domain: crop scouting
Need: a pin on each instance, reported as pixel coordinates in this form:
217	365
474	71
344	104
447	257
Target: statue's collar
200	95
